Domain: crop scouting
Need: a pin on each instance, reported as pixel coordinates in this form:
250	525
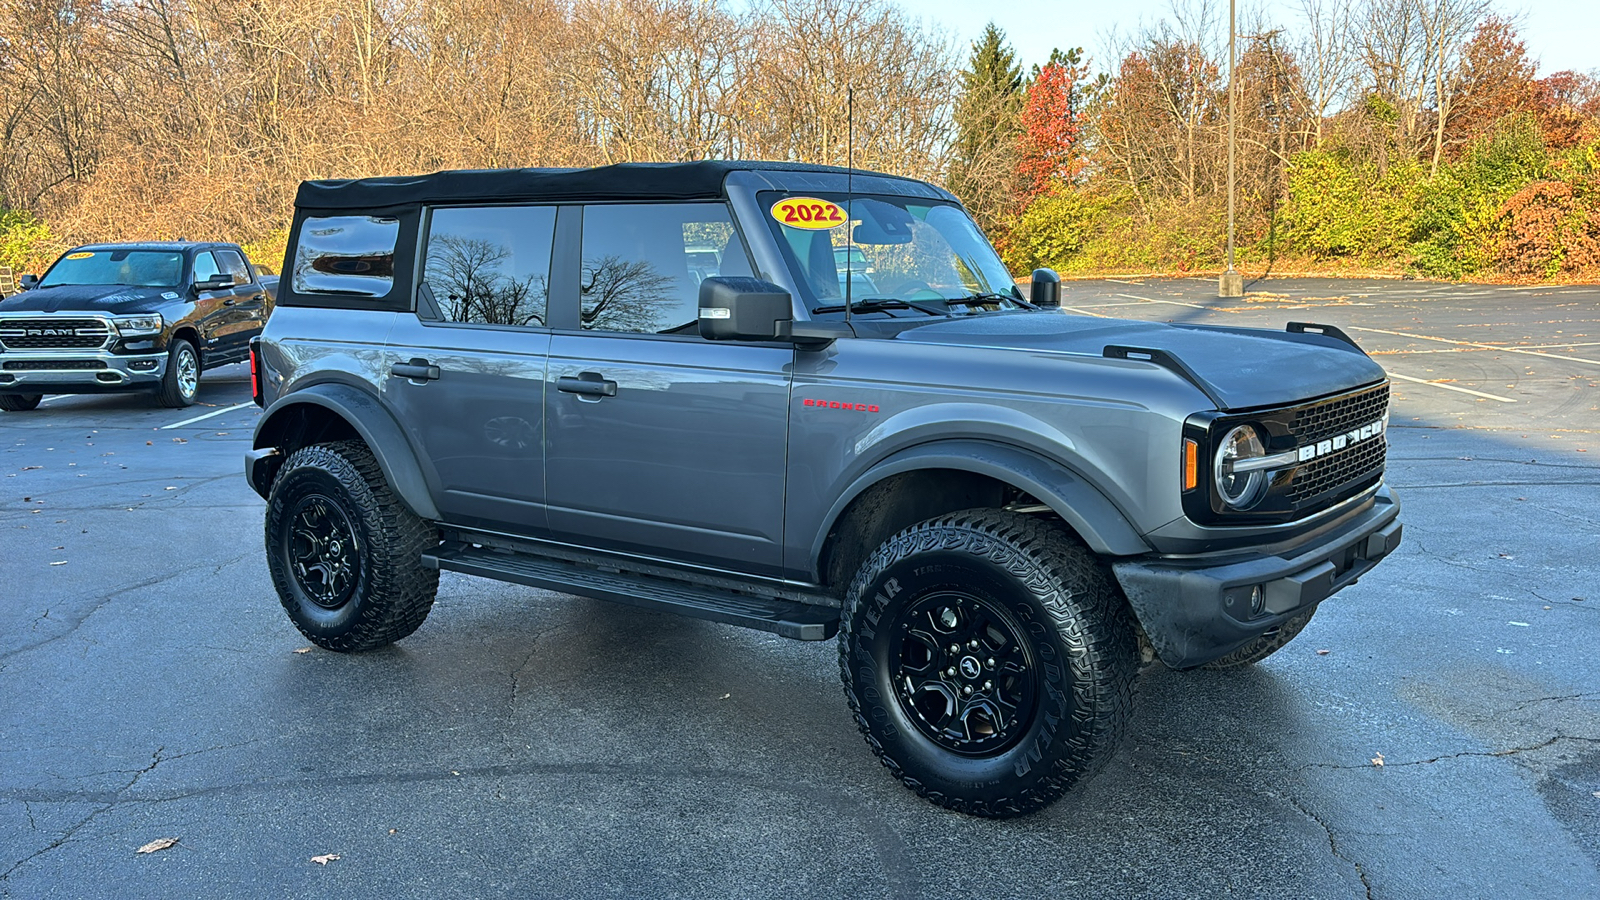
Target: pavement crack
73	829
1333	843
1510	751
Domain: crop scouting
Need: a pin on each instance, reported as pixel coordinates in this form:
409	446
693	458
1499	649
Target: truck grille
54	334
1357	465
52	365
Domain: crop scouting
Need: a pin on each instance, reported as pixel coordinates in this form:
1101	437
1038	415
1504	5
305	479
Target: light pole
1231	284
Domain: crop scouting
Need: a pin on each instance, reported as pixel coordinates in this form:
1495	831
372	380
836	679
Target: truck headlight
137	326
1240	490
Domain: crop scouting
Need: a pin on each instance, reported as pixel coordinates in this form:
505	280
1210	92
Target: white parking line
215	412
1450	387
1173	302
1424	337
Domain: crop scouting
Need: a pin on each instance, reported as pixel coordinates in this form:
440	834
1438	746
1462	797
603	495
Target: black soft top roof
623	181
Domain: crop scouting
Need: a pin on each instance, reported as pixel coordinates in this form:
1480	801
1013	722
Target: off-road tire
389	592
1074	624
174	392
1264	646
20	402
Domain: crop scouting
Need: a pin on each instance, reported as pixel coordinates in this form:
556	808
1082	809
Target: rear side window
346	255
643	263
488	265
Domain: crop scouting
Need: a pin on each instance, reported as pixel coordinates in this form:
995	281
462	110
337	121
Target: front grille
1341	473
54	334
1339	415
52	365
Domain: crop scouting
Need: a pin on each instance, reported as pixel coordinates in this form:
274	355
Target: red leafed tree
1052	122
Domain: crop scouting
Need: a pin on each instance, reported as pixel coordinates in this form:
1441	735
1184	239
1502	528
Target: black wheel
20	402
989	660
181	381
1266	645
344	553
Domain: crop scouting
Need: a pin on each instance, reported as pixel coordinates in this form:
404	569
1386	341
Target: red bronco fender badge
834	404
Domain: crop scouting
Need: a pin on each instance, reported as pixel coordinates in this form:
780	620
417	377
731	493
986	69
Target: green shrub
1053	230
26	243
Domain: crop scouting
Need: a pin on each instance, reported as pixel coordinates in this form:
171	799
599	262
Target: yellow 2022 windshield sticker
79	255
809	213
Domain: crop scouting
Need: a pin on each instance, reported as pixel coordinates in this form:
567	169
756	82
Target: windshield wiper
985	298
880	304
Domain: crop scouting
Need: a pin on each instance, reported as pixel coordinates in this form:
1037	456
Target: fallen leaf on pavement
157	844
31	468
1378	760
724	696
325	858
304	650
1322	652
61	563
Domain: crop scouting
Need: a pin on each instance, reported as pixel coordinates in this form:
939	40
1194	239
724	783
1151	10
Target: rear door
660	442
467	369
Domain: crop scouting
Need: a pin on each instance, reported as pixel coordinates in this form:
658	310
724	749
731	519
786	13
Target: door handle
259	297
230	301
417	369
588	384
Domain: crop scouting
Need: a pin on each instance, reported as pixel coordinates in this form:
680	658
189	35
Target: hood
1242	368
111	299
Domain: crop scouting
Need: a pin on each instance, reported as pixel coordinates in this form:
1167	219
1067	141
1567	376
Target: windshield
884	248
138	268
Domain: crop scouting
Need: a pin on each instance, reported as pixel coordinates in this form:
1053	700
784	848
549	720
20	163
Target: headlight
135	326
1240	490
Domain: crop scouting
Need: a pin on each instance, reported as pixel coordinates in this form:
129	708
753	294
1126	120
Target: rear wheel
989	660
344	552
181	381
1266	645
20	402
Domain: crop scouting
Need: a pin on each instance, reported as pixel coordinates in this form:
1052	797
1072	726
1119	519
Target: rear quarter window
346	255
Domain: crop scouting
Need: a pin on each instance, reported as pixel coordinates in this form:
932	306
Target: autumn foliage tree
1052	123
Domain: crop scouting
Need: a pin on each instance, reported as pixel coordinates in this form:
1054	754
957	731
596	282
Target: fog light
1245	602
142	365
1255	600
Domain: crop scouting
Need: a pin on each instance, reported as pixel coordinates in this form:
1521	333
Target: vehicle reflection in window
490	265
643	263
346	255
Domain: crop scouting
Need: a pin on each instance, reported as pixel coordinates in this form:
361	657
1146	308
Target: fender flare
1095	518
377	427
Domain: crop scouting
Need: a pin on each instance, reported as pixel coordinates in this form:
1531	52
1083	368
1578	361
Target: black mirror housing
28	282
1045	290
215	283
744	309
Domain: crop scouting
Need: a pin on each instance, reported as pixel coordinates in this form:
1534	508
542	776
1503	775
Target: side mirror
28	282
743	309
1045	290
749	309
214	283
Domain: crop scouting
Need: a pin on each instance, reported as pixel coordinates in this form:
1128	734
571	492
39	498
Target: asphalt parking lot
1432	733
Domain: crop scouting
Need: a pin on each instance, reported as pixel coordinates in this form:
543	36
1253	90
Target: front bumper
79	371
1197	609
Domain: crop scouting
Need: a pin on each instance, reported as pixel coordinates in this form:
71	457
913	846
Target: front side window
346	255
488	265
885	248
137	268
643	264
205	266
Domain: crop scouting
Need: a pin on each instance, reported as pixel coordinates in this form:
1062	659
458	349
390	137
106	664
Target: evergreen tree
988	120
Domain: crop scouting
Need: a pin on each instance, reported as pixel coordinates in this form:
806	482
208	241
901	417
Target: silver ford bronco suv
810	401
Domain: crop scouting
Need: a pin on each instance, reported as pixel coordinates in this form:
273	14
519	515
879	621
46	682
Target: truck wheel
182	379
344	553
20	402
1264	646
989	660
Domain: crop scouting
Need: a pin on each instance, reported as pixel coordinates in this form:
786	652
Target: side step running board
787	618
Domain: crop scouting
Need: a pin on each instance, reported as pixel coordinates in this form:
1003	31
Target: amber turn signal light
1191	465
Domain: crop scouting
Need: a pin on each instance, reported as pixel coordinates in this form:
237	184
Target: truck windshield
886	248
137	268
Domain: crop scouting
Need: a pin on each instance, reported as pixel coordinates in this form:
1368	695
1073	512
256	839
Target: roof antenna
849	204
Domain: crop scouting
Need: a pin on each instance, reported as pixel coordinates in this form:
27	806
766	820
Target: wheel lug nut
988	685
973	645
950	671
955	648
990	663
967	689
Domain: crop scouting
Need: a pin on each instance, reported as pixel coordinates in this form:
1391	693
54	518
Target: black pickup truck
130	317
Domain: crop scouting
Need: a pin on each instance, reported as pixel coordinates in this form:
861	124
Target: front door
659	442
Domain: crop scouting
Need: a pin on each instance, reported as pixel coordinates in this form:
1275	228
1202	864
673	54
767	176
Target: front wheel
181	381
989	660
344	553
20	402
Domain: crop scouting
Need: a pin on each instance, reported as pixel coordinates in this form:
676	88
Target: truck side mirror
214	283
743	309
28	282
1045	290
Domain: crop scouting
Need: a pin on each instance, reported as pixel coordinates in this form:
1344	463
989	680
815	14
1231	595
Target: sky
1561	34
